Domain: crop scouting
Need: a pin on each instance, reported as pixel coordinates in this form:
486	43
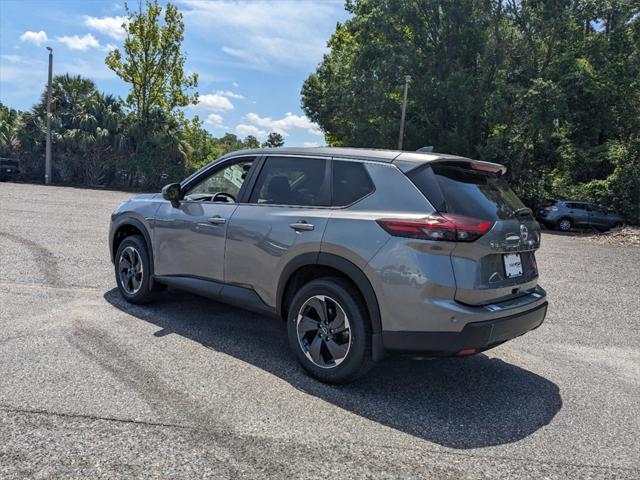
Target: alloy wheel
324	332
565	225
130	270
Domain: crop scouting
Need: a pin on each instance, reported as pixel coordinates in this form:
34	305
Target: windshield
456	189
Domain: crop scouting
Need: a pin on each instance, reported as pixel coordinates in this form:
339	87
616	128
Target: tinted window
577	206
292	181
351	182
463	191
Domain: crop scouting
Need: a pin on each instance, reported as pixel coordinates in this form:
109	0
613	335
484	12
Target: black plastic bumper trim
479	335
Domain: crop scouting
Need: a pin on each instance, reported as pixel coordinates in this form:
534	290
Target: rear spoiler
407	161
488	167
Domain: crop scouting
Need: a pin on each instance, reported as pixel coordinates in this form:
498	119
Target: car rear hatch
547	207
499	262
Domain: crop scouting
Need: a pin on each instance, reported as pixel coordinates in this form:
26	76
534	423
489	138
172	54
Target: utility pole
407	79
47	167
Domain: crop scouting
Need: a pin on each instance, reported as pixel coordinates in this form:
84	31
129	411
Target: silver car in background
567	214
362	252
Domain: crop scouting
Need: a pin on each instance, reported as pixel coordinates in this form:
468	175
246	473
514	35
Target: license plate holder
512	265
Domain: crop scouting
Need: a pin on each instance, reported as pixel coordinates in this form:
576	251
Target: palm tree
9	125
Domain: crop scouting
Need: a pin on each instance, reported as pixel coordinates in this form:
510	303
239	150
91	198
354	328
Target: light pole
407	79
47	166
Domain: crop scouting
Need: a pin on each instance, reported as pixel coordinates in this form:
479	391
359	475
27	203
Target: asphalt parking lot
92	387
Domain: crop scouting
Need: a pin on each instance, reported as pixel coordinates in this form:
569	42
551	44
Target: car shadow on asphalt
462	403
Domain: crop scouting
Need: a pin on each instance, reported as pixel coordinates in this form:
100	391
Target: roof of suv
405	160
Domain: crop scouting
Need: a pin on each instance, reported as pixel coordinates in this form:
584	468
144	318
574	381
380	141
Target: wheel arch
322	264
125	228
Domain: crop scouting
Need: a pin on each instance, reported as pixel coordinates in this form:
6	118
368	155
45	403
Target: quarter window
351	182
292	181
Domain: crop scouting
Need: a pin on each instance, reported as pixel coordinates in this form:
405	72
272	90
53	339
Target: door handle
301	225
217	220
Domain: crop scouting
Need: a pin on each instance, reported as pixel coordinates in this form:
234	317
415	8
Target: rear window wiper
522	212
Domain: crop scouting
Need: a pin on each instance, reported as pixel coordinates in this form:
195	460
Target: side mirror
171	192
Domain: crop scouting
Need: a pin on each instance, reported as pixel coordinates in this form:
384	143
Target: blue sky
252	57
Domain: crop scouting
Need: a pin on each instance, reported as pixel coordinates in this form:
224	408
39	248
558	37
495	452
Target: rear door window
350	183
454	188
292	181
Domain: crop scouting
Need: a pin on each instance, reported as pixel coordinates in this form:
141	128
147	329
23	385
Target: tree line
140	142
551	88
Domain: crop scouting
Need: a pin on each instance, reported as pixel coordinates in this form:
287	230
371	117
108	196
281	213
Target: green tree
251	142
274	140
152	60
549	88
9	128
203	147
88	133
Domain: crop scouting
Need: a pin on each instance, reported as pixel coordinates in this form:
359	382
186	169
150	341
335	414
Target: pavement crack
27	411
42	286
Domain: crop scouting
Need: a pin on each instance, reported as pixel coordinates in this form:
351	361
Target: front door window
222	186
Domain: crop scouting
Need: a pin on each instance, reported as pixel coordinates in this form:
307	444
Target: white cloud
215	102
229	94
235	84
262	34
12	58
110	26
109	47
37	38
244	130
283	125
310	144
79	43
18	71
254	60
215	120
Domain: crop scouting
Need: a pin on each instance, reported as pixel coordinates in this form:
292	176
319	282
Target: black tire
144	292
358	360
565	224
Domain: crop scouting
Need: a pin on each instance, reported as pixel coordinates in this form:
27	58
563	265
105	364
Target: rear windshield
455	189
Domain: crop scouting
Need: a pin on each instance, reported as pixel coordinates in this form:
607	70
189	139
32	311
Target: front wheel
133	270
329	330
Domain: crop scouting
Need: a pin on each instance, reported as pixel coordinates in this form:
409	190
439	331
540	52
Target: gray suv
361	252
566	214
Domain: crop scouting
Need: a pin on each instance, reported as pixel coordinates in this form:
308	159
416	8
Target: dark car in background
9	168
567	214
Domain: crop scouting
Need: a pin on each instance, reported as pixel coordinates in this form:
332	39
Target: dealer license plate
512	265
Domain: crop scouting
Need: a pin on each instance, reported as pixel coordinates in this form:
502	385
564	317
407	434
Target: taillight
445	226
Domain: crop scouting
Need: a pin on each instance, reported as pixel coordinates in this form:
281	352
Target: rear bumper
475	335
9	172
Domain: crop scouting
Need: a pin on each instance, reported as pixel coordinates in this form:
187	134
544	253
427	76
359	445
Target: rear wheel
329	330
565	224
133	270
